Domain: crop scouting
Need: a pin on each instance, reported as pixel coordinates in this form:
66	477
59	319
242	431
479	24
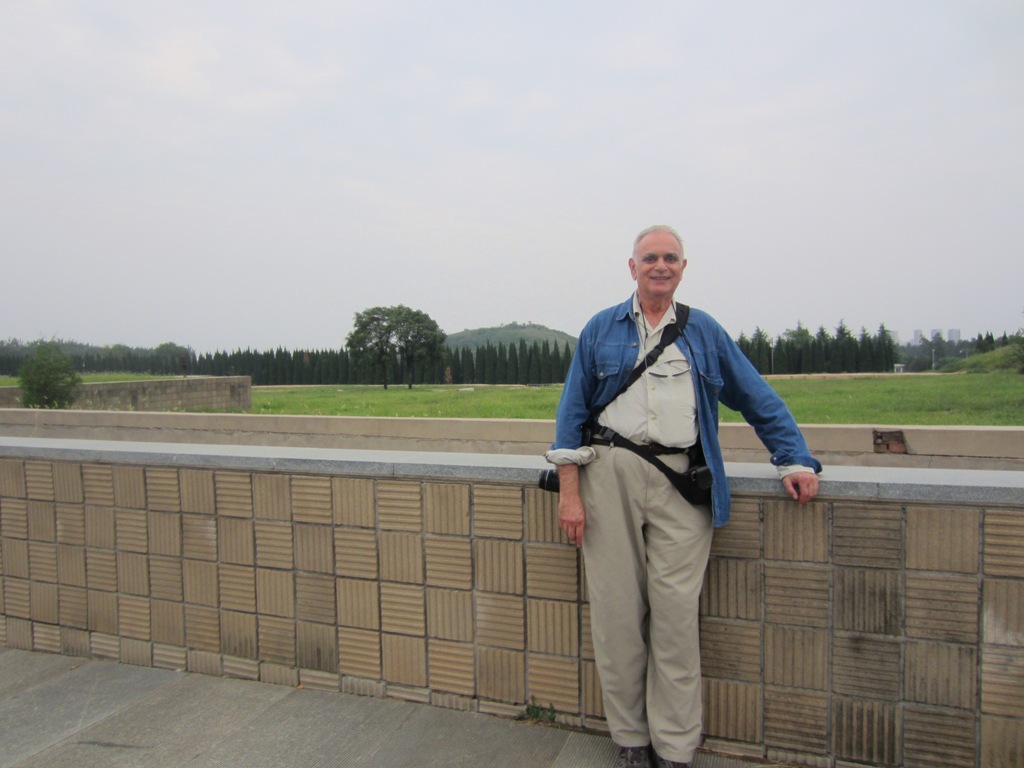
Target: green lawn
993	399
987	399
977	399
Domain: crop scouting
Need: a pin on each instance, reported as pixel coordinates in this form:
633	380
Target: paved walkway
58	711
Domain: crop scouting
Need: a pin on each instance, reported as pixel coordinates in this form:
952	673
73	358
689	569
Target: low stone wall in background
194	393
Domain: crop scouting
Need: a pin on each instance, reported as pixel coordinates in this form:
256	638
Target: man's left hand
802	486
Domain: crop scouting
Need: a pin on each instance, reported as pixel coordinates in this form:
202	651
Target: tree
417	337
396	339
372	339
48	379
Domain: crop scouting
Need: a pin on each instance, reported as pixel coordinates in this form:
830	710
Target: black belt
655	448
694	484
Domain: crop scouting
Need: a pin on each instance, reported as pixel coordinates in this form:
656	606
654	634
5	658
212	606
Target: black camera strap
668	335
695	483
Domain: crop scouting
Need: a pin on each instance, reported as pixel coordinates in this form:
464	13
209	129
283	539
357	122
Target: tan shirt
661	406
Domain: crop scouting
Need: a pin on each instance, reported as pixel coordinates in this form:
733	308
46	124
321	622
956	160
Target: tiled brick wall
843	633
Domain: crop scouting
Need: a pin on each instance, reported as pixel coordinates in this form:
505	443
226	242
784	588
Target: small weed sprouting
538	713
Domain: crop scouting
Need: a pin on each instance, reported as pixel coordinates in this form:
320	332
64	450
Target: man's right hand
571	515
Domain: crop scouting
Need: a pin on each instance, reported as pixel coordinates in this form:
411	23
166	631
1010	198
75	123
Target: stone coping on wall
862	445
990	487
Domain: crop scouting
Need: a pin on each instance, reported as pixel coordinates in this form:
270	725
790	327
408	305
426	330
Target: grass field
979	399
994	399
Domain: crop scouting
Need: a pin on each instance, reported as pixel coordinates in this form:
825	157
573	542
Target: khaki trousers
646	549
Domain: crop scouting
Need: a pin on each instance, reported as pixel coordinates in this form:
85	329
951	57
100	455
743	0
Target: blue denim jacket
606	352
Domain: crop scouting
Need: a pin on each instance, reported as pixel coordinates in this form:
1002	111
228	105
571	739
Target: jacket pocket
712	384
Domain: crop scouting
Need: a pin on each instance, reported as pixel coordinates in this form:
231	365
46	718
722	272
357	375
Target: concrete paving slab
436	738
39	716
21	670
61	712
169	727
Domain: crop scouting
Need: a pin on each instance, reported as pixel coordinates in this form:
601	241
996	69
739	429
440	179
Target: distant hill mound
509	334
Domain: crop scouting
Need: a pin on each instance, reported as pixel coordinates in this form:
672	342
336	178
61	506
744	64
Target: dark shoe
633	757
663	763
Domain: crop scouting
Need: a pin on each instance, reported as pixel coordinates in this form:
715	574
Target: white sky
228	174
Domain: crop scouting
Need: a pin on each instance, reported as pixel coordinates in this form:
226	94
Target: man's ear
632	268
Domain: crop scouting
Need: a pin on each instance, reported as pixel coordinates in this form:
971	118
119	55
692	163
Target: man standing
627	444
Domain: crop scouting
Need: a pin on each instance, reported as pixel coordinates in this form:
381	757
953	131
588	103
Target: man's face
657	266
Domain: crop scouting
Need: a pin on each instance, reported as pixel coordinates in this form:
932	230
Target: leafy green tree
417	339
372	339
48	379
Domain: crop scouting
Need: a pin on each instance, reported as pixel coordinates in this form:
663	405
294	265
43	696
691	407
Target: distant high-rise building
953	335
918	337
936	332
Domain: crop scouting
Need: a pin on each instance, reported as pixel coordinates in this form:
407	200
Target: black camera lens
549	480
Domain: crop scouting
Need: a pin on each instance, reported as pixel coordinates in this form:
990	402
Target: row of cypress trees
795	351
798	351
537	363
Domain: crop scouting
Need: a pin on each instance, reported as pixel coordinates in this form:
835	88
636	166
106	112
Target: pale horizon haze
228	174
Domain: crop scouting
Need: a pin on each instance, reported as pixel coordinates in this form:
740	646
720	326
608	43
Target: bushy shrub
48	379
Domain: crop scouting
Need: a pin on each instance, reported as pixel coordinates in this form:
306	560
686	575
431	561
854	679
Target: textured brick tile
450	614
401	557
315	599
742	536
796	720
162	490
314	548
868	601
359	652
941	607
237	587
272	497
552	571
500	620
233	491
132	530
402	609
354	502
796	657
732	589
358	603
452	667
67	483
941	674
312	500
399	505
553	681
501	675
404	659
449	562
552	627
196	491
732	710
355	553
498	512
943	539
797	594
866	666
796	533
499	566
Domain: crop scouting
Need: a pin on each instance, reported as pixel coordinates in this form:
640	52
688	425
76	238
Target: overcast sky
227	174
